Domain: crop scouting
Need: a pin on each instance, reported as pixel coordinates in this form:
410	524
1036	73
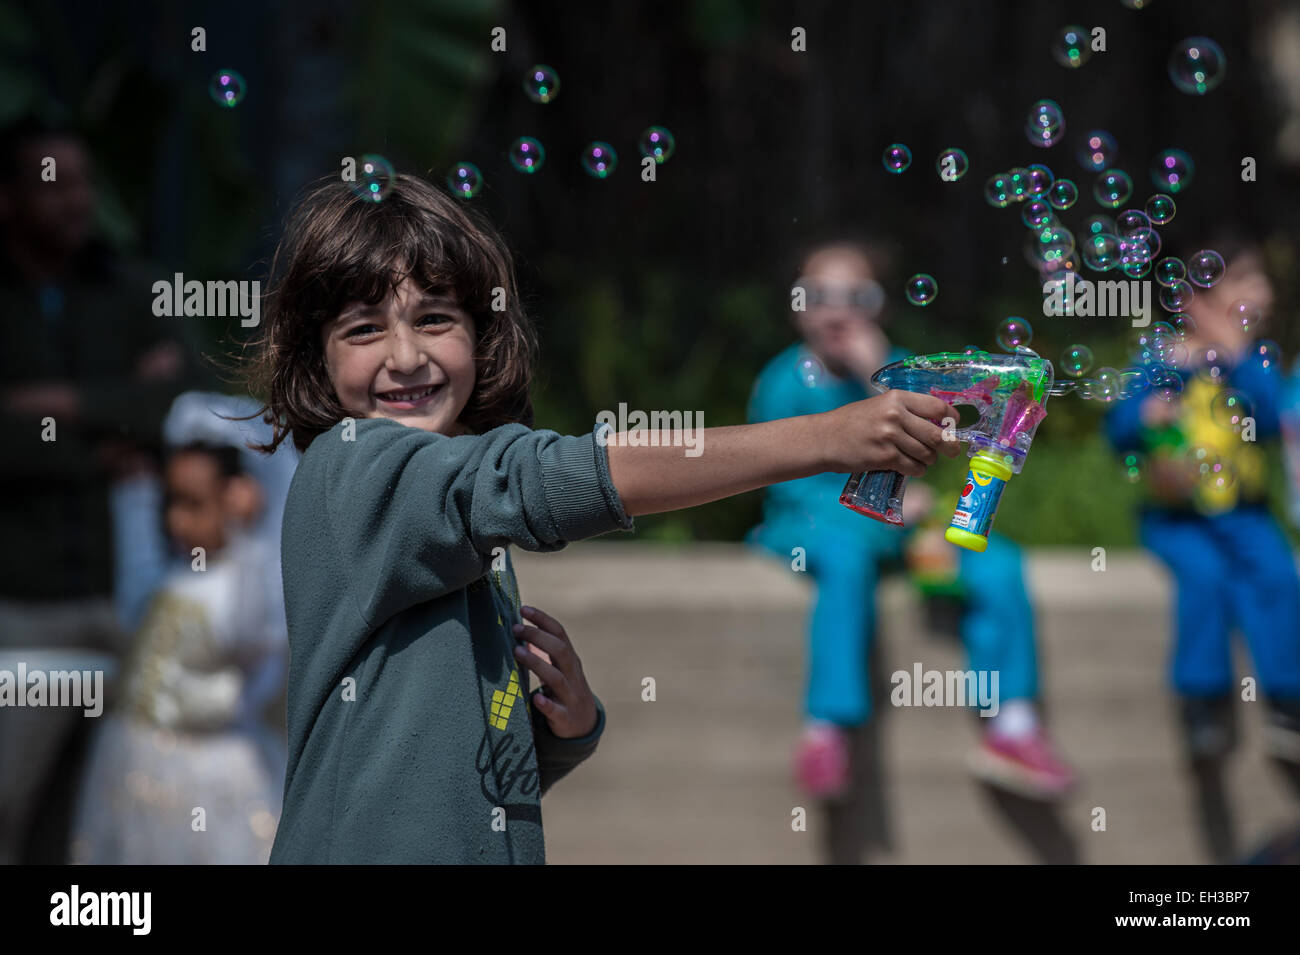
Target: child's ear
243	498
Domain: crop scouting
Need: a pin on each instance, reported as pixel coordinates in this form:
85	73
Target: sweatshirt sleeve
557	757
416	515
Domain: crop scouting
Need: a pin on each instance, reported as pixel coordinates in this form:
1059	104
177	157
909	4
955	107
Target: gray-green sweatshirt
411	736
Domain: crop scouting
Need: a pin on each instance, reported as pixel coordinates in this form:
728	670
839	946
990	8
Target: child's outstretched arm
894	431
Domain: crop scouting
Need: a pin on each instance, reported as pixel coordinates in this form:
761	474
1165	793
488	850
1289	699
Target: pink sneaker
1027	765
821	763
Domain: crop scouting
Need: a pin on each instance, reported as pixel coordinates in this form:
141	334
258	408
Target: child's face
195	509
379	356
843	301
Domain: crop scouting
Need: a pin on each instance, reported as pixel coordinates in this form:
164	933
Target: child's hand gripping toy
1009	392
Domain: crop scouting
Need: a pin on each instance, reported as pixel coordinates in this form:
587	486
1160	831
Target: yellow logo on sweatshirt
503	701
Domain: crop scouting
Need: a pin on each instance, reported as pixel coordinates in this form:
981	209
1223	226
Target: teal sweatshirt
411	736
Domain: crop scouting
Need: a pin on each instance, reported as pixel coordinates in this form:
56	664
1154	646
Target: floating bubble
1100	252
599	160
1197	65
1063	194
1245	314
1107	385
658	142
227	88
997	191
1134	467
1183	324
1215	473
1098	150
921	289
810	372
1176	297
1175	354
1071	46
1130	221
464	180
1077	360
1170	269
527	154
1036	213
1045	124
897	157
1205	268
1215	362
1160	209
1040	178
374	178
1133	252
541	83
1018	181
1014	332
1268	354
1136	267
1094	225
1166	383
1054	244
1173	170
952	164
1229	409
1113	188
1132	382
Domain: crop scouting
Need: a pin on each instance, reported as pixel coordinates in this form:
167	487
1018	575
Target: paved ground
701	775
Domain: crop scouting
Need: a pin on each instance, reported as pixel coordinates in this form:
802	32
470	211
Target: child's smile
409	358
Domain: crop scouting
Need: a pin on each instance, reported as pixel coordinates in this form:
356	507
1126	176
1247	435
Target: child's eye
360	329
438	317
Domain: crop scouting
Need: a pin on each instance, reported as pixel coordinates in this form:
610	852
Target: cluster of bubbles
227	88
1197	65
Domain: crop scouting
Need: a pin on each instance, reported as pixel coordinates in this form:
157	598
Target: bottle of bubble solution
978	504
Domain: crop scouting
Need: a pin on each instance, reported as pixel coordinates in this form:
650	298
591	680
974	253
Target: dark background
673	294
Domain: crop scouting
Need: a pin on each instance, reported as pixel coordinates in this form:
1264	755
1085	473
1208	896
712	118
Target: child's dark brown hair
340	248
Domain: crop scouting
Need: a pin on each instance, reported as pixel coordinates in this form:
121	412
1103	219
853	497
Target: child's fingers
548	673
561	653
544	621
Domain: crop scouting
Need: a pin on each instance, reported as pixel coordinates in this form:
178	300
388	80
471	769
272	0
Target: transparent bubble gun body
1009	391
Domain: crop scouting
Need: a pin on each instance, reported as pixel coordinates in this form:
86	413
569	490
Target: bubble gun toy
1009	391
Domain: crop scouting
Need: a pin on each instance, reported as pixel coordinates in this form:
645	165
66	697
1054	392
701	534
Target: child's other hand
896	431
865	349
565	698
917	503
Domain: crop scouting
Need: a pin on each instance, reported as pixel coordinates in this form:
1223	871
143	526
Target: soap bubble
541	83
1215	362
1113	188
810	372
1134	467
921	289
374	178
527	154
897	157
1166	383
1176	297
1173	170
1098	150
1183	324
227	88
1130	221
1132	382
1063	194
599	160
464	180
1071	46
1018	183
1036	214
1160	209
997	191
1197	65
1106	386
1040	178
1045	124
1077	360
1053	243
1170	269
1268	354
1215	473
1013	333
1229	409
1245	314
1100	252
951	164
658	142
1205	268
1094	225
